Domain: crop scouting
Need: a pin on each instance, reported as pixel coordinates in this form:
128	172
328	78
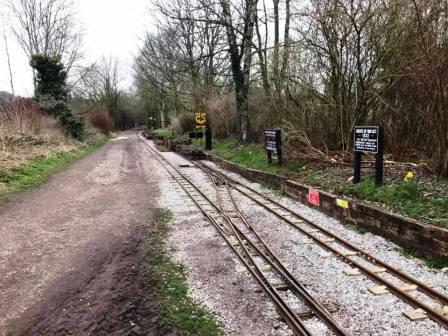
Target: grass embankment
38	170
167	133
423	199
178	309
164	132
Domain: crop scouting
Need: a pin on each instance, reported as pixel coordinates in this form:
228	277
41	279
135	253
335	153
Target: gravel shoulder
71	252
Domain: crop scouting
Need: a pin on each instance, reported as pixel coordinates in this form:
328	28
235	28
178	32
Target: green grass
252	156
405	198
164	132
39	170
178	309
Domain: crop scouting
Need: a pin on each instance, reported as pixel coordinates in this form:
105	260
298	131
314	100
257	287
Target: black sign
366	139
196	135
369	139
273	141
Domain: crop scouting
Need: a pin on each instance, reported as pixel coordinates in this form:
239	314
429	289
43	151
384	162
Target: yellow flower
409	176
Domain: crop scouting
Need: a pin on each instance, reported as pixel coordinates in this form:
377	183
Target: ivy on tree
52	93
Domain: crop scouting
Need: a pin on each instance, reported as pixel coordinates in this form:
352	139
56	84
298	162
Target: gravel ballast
220	282
216	278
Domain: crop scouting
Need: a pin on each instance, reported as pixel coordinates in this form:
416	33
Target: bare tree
47	27
8	58
99	88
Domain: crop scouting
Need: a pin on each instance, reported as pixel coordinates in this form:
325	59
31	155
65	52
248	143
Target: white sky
112	28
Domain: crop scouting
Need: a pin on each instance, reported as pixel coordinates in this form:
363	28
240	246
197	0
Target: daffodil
409	176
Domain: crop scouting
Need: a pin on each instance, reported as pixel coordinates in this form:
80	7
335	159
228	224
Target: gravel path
71	256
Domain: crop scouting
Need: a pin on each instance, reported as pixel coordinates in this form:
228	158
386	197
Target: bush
263	114
101	121
72	123
183	123
222	116
22	121
19	116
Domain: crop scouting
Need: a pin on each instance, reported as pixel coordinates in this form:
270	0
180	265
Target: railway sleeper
307	314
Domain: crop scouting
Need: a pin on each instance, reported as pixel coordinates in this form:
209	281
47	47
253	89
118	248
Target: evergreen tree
52	93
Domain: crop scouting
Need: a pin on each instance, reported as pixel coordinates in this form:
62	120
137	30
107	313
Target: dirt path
67	249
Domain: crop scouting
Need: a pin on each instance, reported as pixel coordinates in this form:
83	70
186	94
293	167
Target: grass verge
163	132
40	169
178	309
252	156
405	198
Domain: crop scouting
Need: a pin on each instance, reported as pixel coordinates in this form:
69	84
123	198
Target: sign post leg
208	138
357	168
280	156
379	158
269	157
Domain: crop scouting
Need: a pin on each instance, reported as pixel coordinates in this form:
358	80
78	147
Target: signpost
201	119
202	130
208	139
273	141
369	139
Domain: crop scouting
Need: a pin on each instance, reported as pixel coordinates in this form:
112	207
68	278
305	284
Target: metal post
208	138
379	157
279	148
357	167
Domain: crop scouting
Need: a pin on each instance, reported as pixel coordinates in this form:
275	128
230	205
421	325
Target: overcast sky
111	28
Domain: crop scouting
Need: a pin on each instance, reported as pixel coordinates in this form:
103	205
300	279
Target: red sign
313	197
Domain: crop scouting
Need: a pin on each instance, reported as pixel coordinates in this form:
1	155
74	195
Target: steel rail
431	312
269	256
293	321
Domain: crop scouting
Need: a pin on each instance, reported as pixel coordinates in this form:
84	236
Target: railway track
361	260
249	247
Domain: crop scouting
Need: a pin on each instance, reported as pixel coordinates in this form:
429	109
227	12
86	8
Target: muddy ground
72	256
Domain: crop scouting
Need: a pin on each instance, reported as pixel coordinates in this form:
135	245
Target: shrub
222	116
22	121
101	121
183	123
19	116
264	113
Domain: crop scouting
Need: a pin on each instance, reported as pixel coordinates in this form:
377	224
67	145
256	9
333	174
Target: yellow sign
342	203
201	119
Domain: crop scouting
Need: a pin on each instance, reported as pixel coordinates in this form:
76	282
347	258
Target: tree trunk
275	57
262	60
241	74
286	43
11	82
